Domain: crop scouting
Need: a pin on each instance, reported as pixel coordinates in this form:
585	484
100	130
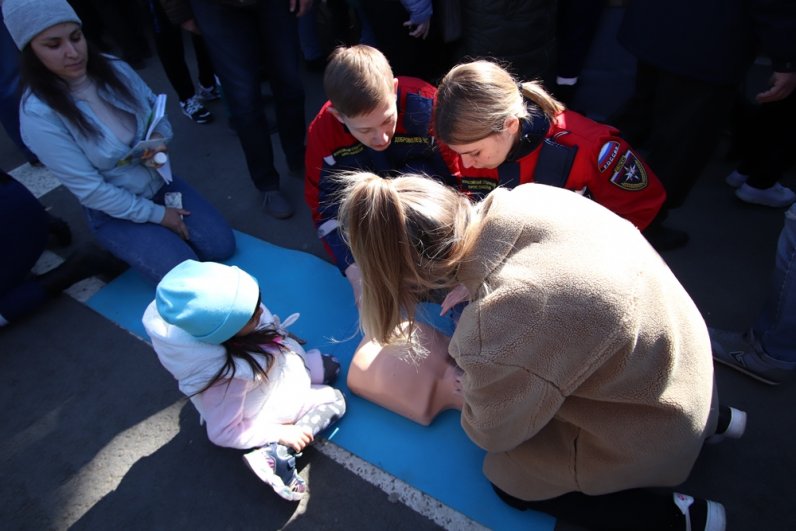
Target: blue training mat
439	459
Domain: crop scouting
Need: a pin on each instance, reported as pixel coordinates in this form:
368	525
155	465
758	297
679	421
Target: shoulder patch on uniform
329	160
629	173
607	155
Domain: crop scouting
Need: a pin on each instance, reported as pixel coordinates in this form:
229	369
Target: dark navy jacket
711	40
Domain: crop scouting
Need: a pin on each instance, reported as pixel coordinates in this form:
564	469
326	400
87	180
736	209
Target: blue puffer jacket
419	10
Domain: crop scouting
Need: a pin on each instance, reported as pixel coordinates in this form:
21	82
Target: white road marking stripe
38	180
399	491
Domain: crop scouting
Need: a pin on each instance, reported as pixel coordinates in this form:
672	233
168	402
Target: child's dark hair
245	348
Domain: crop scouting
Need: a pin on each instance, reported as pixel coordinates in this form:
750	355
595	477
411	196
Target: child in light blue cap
251	381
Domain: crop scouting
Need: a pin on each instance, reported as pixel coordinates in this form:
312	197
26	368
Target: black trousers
171	52
766	138
408	56
678	120
627	510
576	25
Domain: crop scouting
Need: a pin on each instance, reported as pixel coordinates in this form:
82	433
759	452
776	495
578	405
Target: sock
724	419
331	368
321	417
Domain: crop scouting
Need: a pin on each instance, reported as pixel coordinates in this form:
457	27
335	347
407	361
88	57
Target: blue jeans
308	36
9	89
428	313
776	325
240	41
152	249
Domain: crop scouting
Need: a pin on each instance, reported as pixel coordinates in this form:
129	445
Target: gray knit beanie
27	18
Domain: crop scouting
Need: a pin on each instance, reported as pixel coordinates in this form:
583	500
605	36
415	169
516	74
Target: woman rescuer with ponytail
586	369
507	134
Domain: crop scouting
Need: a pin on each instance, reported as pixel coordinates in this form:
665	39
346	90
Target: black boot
664	238
59	231
87	261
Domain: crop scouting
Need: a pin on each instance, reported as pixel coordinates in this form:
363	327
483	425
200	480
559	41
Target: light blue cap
210	301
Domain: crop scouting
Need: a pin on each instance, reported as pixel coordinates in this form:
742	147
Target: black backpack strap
554	163
417	114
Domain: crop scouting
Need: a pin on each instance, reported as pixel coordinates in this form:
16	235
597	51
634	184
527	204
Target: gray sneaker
743	352
736	179
193	109
277	205
208	93
777	196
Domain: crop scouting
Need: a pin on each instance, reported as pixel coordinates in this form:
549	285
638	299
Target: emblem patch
607	155
629	173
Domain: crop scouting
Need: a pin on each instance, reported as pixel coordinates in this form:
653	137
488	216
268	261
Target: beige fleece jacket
587	365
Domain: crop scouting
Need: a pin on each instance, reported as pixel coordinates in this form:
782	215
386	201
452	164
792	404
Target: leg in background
232	39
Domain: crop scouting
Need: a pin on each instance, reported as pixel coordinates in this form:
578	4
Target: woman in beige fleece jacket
587	368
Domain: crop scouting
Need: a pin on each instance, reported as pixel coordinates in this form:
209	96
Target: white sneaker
777	196
711	517
736	179
736	426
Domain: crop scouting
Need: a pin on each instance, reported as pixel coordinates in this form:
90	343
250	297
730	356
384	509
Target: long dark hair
54	91
244	348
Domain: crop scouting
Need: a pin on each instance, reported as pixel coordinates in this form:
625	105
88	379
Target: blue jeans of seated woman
776	325
152	249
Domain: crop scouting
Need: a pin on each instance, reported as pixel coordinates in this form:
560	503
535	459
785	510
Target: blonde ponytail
548	104
407	236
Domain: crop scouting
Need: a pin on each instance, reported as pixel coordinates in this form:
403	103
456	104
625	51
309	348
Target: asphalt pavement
95	435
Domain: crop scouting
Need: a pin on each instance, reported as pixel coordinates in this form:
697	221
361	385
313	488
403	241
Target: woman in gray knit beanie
86	115
27	18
